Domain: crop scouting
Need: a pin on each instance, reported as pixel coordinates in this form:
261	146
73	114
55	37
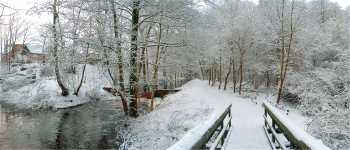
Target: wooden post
175	82
220	72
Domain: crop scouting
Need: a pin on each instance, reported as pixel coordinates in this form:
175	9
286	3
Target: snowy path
247	131
189	109
247	127
182	119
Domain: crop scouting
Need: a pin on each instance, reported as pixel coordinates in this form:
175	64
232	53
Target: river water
91	126
2	68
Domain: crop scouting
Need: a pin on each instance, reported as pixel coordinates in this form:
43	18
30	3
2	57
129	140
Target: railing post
273	128
230	115
222	140
265	113
222	125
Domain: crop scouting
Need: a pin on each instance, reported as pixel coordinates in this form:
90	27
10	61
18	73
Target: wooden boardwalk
247	133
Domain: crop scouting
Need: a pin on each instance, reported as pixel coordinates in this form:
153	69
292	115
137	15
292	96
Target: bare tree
118	50
228	73
285	52
64	89
133	80
156	65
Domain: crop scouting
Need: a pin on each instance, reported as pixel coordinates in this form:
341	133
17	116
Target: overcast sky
27	4
36	20
342	3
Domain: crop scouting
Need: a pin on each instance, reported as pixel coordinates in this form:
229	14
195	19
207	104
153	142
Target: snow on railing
211	135
283	134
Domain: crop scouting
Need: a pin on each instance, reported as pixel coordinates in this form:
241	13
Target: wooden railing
211	135
279	135
215	136
163	92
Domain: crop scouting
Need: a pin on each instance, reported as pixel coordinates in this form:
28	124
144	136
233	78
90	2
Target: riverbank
29	86
96	125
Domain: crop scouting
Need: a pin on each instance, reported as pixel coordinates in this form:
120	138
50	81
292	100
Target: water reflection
92	126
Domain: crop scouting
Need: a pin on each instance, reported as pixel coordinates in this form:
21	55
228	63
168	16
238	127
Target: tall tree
64	89
133	80
285	52
120	59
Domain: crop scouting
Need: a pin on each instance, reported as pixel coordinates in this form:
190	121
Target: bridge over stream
256	127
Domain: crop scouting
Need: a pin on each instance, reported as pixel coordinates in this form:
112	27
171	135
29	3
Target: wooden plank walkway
247	131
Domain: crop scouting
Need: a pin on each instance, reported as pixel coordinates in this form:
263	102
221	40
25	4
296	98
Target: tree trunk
143	55
201	66
220	72
210	73
267	79
285	61
214	75
255	82
64	90
83	72
72	67
241	73
155	67
175	81
133	80
234	75
145	68
120	67
228	74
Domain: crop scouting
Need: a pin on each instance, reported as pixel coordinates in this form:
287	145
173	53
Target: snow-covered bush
333	128
324	92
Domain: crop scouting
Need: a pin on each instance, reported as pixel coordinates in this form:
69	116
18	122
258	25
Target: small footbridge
273	131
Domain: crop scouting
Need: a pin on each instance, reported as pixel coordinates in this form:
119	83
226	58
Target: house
21	54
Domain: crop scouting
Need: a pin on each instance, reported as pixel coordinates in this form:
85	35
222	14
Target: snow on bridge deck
247	131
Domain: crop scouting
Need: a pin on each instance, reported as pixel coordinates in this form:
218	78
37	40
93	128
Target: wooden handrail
275	127
221	137
211	135
218	125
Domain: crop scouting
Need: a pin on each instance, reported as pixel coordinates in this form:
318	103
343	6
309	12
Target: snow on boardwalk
247	127
171	121
190	109
247	117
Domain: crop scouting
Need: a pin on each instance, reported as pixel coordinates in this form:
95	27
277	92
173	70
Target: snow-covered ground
183	114
26	87
178	114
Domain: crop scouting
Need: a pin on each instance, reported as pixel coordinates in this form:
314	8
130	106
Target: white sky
342	3
33	20
24	6
36	20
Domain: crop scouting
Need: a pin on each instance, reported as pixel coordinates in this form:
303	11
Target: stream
91	126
